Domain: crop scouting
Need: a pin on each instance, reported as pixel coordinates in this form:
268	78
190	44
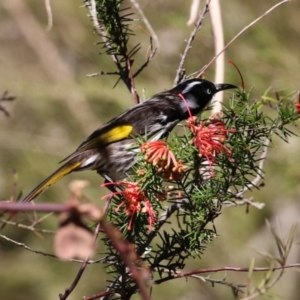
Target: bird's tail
53	178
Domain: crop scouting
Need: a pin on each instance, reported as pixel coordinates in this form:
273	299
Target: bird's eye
208	91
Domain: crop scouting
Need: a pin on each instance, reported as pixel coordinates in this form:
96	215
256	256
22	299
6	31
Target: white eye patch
190	86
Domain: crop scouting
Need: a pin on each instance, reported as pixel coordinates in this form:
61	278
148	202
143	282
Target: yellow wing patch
113	135
116	134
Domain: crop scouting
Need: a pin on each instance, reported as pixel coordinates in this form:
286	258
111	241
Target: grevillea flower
160	156
135	201
297	105
210	139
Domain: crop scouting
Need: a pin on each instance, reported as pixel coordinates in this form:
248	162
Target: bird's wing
134	122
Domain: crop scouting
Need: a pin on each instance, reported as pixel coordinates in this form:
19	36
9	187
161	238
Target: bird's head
198	93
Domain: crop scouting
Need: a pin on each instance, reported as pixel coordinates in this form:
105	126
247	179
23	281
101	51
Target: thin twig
3	98
221	269
31	228
180	69
164	217
152	36
162	220
6	97
69	290
42	207
127	254
244	201
22	245
145	64
99	295
239	34
146	22
133	91
284	248
259	176
235	287
266	288
102	73
26	247
5	111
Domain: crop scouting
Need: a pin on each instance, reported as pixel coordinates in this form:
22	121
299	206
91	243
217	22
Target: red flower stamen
297	105
135	201
210	139
160	156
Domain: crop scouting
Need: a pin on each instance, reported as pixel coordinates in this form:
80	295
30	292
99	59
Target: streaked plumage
106	149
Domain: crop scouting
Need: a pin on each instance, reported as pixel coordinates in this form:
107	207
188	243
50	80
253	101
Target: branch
244	201
237	288
162	220
102	73
3	98
102	33
99	295
22	245
127	77
127	253
149	58
227	269
164	217
259	177
9	206
146	22
31	228
180	70
131	78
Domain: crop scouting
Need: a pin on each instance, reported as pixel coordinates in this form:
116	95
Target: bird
107	149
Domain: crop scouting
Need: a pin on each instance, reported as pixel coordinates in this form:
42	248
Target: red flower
210	139
297	105
135	201
160	156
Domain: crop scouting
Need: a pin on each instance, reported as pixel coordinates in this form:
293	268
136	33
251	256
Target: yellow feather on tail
54	177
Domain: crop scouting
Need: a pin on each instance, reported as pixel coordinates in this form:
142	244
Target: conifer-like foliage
112	20
165	212
181	185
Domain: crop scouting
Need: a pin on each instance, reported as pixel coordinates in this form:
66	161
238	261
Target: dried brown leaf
74	241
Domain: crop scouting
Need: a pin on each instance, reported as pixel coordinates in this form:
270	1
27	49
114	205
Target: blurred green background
57	106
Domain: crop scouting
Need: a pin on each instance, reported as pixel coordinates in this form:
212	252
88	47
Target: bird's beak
224	86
